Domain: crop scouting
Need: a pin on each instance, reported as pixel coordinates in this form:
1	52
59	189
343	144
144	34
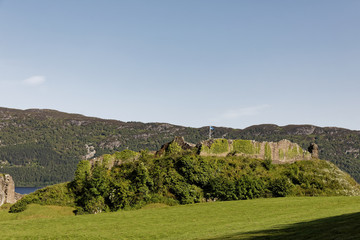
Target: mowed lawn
276	218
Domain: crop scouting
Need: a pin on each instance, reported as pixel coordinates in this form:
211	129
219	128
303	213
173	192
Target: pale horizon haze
233	63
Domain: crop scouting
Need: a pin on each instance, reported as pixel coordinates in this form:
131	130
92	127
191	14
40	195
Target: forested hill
41	147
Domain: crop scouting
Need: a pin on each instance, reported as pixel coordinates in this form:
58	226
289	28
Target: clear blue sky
189	62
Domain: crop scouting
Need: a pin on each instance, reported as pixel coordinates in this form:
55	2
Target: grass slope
278	218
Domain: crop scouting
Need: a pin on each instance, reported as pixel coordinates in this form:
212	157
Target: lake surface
26	190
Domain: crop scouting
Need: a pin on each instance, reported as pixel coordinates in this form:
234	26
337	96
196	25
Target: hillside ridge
41	147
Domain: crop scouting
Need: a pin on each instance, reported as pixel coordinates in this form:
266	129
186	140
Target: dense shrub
248	187
280	187
174	148
19	206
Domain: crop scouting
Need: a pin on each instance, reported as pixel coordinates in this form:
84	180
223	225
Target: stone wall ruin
7	189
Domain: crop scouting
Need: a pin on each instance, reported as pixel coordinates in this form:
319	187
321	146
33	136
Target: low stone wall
116	159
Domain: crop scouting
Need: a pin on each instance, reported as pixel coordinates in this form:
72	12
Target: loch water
26	190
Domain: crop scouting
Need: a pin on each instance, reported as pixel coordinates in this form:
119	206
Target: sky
232	63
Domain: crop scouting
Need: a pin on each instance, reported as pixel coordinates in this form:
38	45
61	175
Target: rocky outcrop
7	189
90	152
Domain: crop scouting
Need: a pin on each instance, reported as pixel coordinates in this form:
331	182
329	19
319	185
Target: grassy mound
58	194
112	183
186	178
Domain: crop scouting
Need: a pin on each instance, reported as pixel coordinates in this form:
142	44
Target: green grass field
276	218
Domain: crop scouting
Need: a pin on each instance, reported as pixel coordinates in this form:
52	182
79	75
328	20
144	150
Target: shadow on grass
340	227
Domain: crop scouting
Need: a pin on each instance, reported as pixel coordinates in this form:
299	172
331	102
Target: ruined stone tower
314	150
7	189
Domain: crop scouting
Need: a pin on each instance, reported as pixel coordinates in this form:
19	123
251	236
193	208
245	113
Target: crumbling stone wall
283	151
178	141
314	150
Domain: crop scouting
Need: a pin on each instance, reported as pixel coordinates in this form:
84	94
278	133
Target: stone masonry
7	189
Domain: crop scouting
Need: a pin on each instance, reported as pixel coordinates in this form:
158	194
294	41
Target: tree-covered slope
42	147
